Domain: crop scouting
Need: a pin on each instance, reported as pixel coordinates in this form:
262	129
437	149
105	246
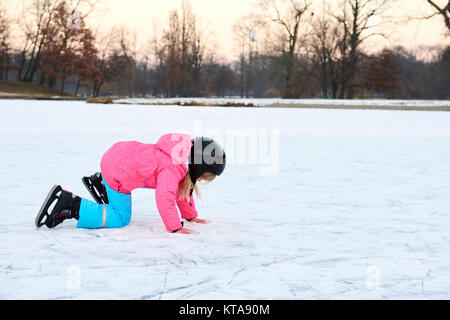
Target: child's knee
117	223
125	219
117	218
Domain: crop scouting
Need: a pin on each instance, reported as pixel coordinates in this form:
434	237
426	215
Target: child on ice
127	166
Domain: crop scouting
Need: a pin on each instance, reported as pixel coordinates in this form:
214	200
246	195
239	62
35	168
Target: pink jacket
127	166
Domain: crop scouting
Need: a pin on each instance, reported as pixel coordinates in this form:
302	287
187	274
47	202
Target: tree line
284	48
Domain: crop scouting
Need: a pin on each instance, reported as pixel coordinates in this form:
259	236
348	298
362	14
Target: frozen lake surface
351	204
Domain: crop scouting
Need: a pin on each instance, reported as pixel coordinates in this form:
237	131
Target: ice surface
358	208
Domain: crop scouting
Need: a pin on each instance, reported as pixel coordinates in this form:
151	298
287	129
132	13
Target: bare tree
37	17
245	31
104	48
242	41
288	15
443	10
143	80
325	44
127	41
158	50
41	13
356	19
173	74
185	46
5	46
193	44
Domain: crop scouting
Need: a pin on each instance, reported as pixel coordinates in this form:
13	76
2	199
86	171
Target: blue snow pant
116	214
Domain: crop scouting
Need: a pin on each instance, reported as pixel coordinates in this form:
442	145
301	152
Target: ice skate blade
43	212
90	188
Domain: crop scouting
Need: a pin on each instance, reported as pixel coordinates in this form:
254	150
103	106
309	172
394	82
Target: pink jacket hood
176	145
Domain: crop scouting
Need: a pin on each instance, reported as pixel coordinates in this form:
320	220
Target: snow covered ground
308	102
343	204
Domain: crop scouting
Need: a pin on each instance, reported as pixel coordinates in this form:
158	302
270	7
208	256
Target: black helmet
206	156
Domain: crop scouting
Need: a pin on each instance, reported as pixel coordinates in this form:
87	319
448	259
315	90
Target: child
127	166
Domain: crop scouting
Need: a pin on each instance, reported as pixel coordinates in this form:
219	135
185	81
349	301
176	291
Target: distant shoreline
317	104
391	108
228	104
14	96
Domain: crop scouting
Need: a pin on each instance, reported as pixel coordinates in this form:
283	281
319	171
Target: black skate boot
67	207
96	188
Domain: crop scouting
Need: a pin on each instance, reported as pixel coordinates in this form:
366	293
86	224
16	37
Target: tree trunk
242	75
30	63
34	62
289	93
249	74
7	66
63	82
22	64
77	87
325	79
51	82
97	88
144	93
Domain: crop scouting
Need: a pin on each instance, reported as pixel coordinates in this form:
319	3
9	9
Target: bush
272	93
100	101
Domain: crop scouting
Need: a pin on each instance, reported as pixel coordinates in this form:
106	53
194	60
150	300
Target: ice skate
66	206
96	187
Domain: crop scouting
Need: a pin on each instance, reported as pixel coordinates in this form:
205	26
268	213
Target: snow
307	102
349	204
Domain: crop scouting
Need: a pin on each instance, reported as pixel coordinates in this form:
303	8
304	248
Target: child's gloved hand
201	221
186	231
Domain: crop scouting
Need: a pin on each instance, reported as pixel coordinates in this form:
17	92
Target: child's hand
186	231
201	221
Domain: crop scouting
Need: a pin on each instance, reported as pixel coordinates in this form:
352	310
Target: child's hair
186	185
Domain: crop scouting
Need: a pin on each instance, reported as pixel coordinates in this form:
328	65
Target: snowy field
350	204
307	102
